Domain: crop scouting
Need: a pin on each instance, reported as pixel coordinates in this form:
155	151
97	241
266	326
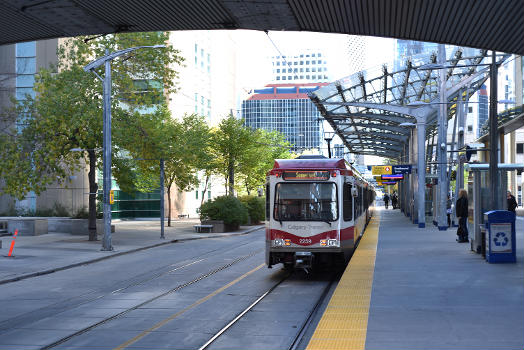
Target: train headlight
332	243
323	242
287	242
279	242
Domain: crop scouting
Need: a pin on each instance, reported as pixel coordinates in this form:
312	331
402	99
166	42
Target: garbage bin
500	236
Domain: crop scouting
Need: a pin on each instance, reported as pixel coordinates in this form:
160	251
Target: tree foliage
245	154
67	110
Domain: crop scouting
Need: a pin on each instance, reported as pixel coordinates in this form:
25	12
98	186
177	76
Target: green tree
67	113
265	148
231	146
184	146
242	153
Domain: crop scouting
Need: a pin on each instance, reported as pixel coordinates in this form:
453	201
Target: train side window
347	202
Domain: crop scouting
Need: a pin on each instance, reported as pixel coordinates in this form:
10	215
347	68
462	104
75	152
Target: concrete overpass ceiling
487	24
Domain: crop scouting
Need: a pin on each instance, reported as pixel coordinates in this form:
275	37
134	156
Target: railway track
152	299
301	331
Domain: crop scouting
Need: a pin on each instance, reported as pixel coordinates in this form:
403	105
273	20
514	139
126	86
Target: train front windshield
306	202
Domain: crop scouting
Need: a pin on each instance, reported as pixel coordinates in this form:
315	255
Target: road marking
344	323
198	302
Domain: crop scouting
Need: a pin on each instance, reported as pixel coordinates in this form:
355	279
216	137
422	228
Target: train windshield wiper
326	220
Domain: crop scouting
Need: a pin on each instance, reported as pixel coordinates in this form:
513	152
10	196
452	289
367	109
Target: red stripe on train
345	234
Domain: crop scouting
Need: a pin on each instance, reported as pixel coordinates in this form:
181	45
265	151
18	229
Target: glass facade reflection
288	110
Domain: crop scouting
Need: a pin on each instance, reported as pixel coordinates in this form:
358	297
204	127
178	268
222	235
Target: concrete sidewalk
38	255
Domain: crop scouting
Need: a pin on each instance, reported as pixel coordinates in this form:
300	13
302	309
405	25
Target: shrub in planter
256	207
226	208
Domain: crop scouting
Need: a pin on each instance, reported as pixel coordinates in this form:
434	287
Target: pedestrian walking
512	203
386	200
394	200
461	208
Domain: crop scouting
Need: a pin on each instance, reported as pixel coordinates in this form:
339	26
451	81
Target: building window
470	109
278	78
278	63
520	148
307	62
283	77
470	128
278	70
196	194
519	172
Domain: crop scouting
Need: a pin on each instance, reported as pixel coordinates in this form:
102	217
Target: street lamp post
106	60
328	136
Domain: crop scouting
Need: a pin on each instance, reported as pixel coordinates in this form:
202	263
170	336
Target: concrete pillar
441	216
421	172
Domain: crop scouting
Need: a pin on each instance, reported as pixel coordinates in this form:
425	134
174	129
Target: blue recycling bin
500	236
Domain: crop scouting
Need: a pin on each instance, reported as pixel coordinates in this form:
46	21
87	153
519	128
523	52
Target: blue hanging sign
401	169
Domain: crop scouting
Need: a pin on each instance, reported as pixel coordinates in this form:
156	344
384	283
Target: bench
181	216
203	228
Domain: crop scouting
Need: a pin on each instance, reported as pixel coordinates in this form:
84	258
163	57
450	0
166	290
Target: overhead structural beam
397	119
393	128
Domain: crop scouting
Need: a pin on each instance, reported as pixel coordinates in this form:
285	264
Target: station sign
381	169
387	177
401	169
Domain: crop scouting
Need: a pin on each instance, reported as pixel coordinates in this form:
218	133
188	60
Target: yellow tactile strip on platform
345	320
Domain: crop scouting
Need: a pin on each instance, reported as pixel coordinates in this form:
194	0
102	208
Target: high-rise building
288	109
208	86
300	67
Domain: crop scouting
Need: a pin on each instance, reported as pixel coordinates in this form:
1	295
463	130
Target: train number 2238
305	240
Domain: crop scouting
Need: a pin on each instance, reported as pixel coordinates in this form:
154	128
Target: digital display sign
392	177
305	175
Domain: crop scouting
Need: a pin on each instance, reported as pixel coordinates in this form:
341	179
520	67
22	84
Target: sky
258	47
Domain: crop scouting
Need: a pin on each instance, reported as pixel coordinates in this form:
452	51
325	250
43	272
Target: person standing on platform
512	203
386	200
461	209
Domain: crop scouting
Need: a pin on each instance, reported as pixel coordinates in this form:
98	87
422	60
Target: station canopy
372	111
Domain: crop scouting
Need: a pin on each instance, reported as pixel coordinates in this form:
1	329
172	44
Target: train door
347	226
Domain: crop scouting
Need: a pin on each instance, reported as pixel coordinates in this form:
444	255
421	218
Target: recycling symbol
500	239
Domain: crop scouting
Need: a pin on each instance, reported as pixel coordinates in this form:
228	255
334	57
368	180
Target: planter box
219	226
27	226
100	227
60	225
81	227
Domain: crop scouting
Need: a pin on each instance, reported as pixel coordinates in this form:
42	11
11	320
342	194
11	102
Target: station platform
411	288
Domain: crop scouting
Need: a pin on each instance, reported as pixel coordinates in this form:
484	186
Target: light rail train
316	211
